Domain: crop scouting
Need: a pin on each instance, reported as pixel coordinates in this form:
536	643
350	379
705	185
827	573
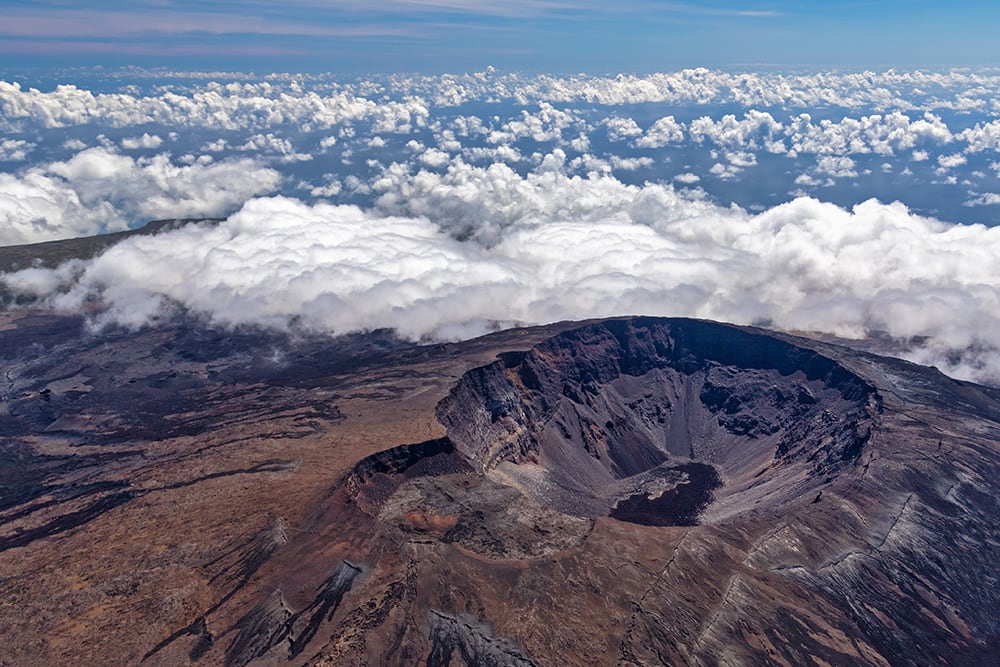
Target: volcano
631	491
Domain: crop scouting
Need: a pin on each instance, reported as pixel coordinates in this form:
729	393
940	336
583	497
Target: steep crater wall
609	418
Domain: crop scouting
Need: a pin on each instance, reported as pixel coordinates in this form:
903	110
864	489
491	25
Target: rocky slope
624	492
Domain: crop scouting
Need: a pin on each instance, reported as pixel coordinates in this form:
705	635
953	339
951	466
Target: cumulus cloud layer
960	90
485	200
752	138
98	191
232	106
431	263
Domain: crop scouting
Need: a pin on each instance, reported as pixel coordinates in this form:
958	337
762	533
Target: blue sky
355	36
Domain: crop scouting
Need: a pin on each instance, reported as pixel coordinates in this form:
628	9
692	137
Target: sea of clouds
446	207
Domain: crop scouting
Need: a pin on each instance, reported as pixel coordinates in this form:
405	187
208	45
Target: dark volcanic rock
679	506
471	642
602	409
625	492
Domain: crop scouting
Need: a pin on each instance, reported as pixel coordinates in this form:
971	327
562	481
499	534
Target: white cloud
726	172
271	144
741	159
39	282
216	146
889	90
952	161
331	189
98	190
15	150
147	140
447	141
581	144
261	105
735	163
664	131
433	157
588	163
621	129
545	125
837	167
191	158
687	178
630	163
548	246
985	199
758	130
803	265
231	106
880	134
982	137
466	126
502	153
485	202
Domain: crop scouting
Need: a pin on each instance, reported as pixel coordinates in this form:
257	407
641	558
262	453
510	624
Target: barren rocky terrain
633	491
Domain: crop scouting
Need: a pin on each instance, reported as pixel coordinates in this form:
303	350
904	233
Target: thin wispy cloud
82	24
516	8
533	35
51	47
325	19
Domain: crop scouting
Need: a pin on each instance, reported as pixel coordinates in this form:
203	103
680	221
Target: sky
357	36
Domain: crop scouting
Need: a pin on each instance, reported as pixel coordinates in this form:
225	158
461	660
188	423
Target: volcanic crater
655	422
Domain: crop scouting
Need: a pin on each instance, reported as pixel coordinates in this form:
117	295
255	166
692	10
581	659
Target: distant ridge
50	254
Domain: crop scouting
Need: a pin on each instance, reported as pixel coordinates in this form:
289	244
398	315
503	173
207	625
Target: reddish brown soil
185	495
